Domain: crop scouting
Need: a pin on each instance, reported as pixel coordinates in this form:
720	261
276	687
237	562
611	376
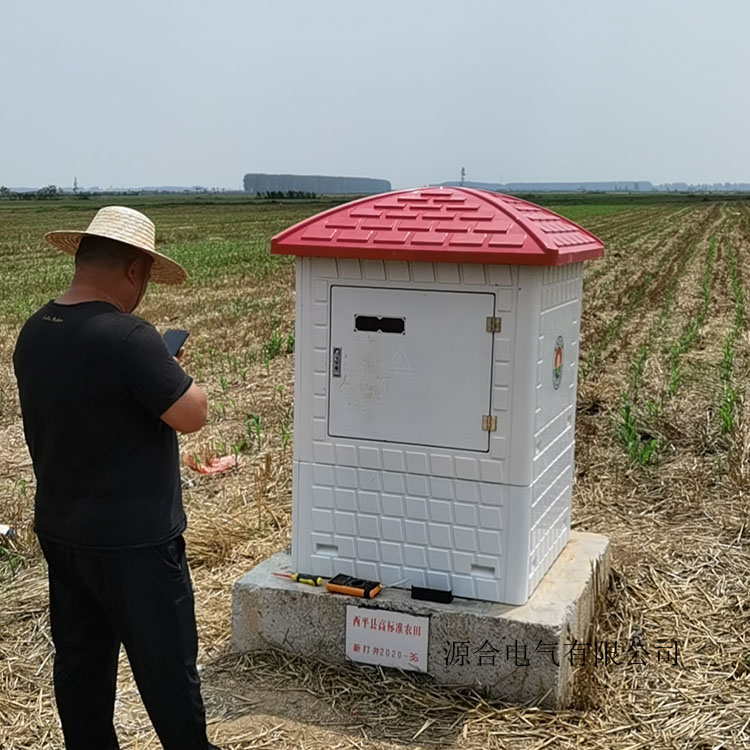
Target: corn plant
254	430
642	448
238	448
10	562
273	347
285	434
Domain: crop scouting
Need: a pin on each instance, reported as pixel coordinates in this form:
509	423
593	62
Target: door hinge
494	325
489	424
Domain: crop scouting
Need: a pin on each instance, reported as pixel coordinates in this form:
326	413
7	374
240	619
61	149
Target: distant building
322	185
640	186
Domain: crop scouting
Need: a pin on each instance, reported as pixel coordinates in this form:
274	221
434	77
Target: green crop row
620	239
685	341
646	259
640	443
728	397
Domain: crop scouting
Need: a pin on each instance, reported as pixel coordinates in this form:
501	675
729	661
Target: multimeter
344	584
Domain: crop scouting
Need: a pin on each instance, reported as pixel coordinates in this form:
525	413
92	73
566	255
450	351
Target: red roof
452	224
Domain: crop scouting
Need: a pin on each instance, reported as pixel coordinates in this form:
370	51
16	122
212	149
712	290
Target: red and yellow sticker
557	369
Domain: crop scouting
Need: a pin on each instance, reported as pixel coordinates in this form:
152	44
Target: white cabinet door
410	366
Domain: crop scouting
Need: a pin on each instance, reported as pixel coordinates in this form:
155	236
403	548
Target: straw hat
127	226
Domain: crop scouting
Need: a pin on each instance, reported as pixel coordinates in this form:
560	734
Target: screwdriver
310	580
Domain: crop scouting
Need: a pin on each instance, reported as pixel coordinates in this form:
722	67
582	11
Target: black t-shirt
93	384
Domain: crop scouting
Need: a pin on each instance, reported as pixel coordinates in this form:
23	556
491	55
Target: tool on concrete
431	595
344	584
307	578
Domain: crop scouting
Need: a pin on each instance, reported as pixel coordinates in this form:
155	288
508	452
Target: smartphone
174	339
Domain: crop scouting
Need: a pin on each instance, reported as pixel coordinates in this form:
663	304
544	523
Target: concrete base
515	653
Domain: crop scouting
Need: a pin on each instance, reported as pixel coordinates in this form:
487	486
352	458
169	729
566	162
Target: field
662	467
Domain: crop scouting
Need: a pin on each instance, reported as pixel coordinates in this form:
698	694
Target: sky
182	92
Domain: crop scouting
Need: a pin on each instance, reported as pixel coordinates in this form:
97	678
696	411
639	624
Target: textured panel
320	337
393	529
551	519
502	349
367	549
416	507
393	460
447	273
322	452
473	274
346	477
476	466
326	268
417	462
368	502
554	418
373	270
467	468
392	553
554	414
369	457
349	268
423	272
346	455
345	523
393	505
502	373
500	275
322	520
322	497
369	479
320	313
554	439
504	299
396	458
442	464
441	511
501	398
453	535
491	470
417	485
398	271
434	514
320	406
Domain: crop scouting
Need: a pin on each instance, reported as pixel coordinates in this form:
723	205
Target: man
101	398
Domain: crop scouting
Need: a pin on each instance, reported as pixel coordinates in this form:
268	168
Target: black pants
143	599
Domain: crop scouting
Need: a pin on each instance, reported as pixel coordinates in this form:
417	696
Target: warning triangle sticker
400	362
